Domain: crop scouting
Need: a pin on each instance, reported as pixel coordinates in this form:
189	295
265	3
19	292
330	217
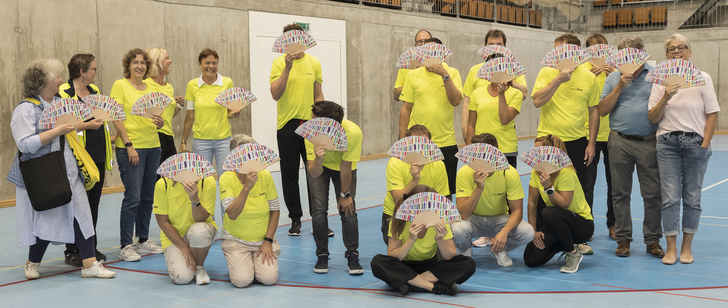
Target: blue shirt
629	115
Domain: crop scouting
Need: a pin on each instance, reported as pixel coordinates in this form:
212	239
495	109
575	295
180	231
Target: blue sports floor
603	279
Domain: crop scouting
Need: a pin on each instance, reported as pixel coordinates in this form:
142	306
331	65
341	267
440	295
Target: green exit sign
306	26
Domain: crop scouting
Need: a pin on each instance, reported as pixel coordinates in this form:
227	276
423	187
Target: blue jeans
319	212
139	181
682	163
209	148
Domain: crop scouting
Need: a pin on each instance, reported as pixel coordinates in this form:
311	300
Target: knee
181	277
241	280
461	229
201	235
268	278
549	213
524	232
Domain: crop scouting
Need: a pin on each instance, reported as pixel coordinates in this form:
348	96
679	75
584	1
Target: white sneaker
97	271
202	277
128	254
32	270
503	258
148	247
584	249
482	242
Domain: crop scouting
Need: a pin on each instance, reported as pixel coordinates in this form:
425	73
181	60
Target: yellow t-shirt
499	188
401	77
564	115
296	102
603	135
211	120
433	175
141	131
488	121
173	201
424	248
332	159
472	82
168	113
566	181
252	224
430	106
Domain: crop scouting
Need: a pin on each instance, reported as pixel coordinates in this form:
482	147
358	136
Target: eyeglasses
420	42
680	48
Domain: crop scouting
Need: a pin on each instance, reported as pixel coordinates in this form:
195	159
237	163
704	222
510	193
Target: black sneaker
354	266
322	265
440	288
295	229
74	259
100	256
405	289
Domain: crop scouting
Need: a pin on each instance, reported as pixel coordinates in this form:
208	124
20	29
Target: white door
330	36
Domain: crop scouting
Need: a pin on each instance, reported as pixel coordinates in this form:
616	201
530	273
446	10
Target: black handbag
46	179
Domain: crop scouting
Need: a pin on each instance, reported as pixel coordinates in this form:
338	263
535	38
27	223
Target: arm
93	124
397	93
711	121
454	96
345	205
445	246
316	166
180	102
466	205
505	114
543	96
266	249
404	117
500	239
121	133
593	132
189	120
466	118
472	120
199	213
522	88
533	195
559	198
607	104
397	248
278	87
398	195
655	114
318	94
234	210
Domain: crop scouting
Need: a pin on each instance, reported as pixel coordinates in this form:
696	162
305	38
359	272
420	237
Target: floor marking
661	272
544	278
668	293
717	217
714	185
309	298
422	299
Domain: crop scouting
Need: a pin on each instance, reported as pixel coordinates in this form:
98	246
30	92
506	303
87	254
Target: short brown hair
328	109
596	39
418	129
485	138
78	63
130	56
495	33
568	38
206	53
291	27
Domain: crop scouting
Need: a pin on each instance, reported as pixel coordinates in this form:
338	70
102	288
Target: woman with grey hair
69	223
687	119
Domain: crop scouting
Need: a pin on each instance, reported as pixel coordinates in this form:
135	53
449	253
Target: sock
142	240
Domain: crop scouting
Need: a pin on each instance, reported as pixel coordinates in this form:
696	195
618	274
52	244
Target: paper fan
407	59
676	71
600	53
488	50
565	56
547	158
250	157
293	42
416	150
430	54
235	98
150	104
483	157
64	111
628	60
104	108
429	208
186	167
500	70
324	130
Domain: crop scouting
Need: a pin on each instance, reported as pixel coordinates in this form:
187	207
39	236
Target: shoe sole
294	234
590	252
132	260
82	276
576	268
320	271
356	272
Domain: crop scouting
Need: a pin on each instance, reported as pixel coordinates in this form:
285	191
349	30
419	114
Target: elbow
232	216
505	121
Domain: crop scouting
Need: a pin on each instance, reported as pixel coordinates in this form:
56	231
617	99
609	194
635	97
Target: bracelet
268	239
183	142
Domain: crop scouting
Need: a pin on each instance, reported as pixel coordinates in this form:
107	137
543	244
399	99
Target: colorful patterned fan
293	42
64	111
416	150
250	157
235	98
565	56
105	108
326	131
500	70
186	167
628	60
429	208
676	71
150	104
488	50
431	54
546	158
483	157
600	53
407	59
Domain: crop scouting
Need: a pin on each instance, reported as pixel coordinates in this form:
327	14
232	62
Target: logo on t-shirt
577	89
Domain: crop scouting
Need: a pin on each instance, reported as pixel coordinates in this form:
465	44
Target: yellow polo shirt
603	135
472	82
488	121
401	77
296	102
424	248
168	113
252	224
171	199
211	120
332	159
500	187
398	175
566	181
141	131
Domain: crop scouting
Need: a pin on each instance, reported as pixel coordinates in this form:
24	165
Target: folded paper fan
416	150
64	111
105	108
250	157
488	50
407	59
431	54
186	167
565	56
429	208
293	42
600	53
628	60
483	157
546	158
326	131
500	70
676	71
150	104
235	98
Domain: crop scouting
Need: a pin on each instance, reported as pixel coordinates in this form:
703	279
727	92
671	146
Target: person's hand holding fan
500	70
293	42
428	208
599	54
105	108
546	159
416	150
150	105
483	157
676	71
64	111
565	56
235	99
326	131
250	157
186	167
408	59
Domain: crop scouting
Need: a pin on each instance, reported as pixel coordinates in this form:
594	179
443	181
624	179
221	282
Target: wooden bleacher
637	17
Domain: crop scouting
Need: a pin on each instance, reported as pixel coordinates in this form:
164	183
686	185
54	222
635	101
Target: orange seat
610	18
631	0
534	18
659	15
519	15
642	16
625	17
502	13
599	3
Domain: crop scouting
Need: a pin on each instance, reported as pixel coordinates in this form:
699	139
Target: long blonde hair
156	55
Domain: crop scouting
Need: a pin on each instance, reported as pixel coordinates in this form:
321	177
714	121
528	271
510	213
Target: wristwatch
268	239
197	204
346	194
549	191
128	144
446	78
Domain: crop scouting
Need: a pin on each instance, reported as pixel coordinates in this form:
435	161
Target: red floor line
337	214
692	296
419	299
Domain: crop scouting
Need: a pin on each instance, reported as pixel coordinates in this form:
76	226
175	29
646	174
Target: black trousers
94	197
576	149
84	245
451	166
561	229
291	149
385	228
395	272
513	161
168	148
591	177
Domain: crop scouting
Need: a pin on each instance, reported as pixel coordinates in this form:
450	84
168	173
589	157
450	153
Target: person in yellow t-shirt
184	212
565	219
485	212
295	83
429	97
420	38
158	69
207	119
411	259
138	153
250	221
402	177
